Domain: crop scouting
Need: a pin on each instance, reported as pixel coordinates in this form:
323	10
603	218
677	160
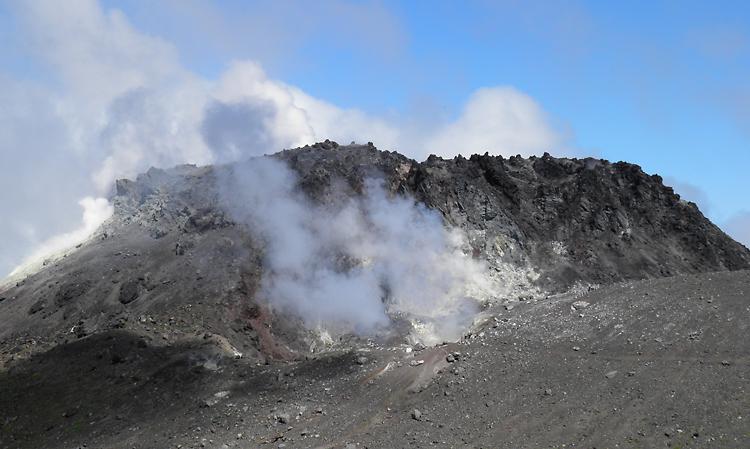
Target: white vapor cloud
298	119
113	101
98	55
501	121
361	264
95	212
40	178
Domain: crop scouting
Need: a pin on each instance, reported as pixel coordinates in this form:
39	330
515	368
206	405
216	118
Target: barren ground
661	363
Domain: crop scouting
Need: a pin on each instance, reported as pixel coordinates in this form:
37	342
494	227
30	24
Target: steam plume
361	264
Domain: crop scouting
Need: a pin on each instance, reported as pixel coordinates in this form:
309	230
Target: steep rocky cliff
175	259
557	221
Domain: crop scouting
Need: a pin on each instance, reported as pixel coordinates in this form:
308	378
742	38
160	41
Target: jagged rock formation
173	254
134	336
561	220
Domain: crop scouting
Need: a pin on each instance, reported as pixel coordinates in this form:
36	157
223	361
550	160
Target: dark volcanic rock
129	292
70	291
560	221
543	224
126	337
587	221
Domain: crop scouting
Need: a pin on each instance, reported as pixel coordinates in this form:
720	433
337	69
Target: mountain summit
316	261
324	223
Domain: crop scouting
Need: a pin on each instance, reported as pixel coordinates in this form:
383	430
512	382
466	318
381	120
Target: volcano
343	296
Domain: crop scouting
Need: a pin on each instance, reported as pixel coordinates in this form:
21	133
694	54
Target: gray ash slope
160	298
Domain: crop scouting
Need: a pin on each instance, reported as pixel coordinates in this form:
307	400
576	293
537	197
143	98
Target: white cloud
40	177
151	127
95	212
293	118
98	55
69	134
117	101
289	33
346	125
501	121
246	82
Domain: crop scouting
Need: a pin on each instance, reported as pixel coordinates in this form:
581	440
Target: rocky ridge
544	225
165	294
562	221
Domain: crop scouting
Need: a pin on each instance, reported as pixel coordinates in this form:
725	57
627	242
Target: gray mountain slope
544	225
161	301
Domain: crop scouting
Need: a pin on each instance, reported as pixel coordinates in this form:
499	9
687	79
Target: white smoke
95	212
501	120
110	101
361	264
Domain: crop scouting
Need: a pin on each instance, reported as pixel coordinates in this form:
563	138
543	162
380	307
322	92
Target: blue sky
96	91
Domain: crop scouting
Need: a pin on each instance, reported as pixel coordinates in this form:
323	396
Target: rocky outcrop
575	221
173	261
541	222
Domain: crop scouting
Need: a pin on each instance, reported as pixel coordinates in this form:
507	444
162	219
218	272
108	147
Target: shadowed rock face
543	224
168	293
560	221
585	221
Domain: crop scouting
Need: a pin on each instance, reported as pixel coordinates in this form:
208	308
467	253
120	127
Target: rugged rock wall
571	221
172	261
544	223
